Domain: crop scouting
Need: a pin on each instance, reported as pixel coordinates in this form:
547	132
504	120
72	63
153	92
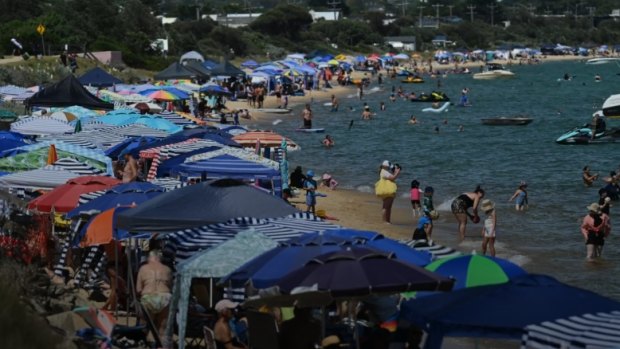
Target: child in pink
415	198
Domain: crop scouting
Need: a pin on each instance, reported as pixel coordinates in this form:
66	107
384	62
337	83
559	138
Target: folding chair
209	338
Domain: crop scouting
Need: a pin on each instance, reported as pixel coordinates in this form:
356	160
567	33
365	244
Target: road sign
40	29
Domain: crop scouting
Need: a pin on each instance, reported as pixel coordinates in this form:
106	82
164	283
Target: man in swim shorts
153	284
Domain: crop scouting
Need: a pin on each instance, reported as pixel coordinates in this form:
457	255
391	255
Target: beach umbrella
126	194
158	123
52	155
6	144
100	229
333	62
267	139
162	95
249	64
63	116
592	330
476	270
7	114
78	126
502	310
120	118
147	107
203	203
65	197
358	272
214	89
401	56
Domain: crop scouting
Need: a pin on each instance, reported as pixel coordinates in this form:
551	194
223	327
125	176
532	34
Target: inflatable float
412	80
310	130
443	108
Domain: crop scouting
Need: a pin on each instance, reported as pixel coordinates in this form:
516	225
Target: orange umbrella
100	229
52	156
266	139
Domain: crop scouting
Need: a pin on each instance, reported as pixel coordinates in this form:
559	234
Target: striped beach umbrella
476	270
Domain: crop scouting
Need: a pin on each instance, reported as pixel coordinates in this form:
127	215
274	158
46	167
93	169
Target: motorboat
507	121
611	106
583	135
435	96
494	71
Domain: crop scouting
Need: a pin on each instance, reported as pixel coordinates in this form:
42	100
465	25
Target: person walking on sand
460	207
307	116
489	227
521	197
310	186
594	227
386	188
153	284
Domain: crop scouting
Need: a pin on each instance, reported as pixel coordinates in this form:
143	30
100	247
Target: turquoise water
544	239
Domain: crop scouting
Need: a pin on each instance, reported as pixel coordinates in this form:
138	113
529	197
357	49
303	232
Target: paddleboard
273	110
444	107
311	130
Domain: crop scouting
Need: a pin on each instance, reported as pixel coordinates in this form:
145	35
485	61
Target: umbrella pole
116	267
210	292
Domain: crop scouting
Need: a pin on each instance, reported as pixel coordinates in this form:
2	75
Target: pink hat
326	176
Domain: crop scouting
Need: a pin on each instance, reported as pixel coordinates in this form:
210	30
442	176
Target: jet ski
435	96
583	135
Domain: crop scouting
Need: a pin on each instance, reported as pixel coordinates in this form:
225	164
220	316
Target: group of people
596	225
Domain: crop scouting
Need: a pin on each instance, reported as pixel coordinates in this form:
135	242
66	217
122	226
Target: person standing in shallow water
307	116
462	204
489	228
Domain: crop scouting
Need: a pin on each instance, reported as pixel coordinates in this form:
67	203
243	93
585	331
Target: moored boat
507	121
494	71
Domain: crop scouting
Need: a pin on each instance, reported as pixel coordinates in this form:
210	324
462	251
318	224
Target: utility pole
450	7
471	12
197	10
334	4
404	4
591	9
421	8
437	7
492	7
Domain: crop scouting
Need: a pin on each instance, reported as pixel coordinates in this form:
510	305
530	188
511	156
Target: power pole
471	12
492	7
404	4
421	8
334	4
437	7
450	7
197	10
591	9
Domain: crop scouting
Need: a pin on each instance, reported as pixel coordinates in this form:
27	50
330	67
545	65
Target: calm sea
546	238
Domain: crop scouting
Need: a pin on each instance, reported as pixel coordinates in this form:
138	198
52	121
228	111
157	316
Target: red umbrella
65	197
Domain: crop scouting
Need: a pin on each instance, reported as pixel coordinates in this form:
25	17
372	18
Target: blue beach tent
99	78
500	311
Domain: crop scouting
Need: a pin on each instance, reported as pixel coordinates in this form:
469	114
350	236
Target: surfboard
310	130
273	110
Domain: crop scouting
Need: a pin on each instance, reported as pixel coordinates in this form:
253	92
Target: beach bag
385	188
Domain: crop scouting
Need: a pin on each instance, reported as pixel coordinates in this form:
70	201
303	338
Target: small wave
520	259
364	189
275	122
445	206
351	96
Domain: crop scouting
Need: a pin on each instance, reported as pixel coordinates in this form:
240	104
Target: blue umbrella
6	144
500	311
119	118
120	195
358	272
159	123
266	269
249	64
214	89
13	136
127	145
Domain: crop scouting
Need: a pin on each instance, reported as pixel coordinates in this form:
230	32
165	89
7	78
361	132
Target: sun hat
326	176
487	205
386	163
225	304
594	207
310	173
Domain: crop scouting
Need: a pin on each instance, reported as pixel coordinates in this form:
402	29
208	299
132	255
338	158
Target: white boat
603	60
611	107
494	71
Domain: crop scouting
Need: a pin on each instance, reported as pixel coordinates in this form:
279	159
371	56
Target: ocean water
546	238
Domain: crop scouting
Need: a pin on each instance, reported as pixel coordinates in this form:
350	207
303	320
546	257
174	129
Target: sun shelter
65	93
65	197
99	78
178	70
228	166
38	126
500	311
35	156
203	203
226	69
212	263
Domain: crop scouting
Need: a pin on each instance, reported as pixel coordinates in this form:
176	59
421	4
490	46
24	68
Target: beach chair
209	338
262	331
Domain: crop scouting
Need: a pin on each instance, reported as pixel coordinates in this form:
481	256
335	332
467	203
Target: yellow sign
40	29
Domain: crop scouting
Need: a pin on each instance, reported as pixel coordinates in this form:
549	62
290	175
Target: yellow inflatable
413	80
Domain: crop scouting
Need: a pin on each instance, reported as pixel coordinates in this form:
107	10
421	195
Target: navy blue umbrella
500	311
214	89
120	195
127	145
359	272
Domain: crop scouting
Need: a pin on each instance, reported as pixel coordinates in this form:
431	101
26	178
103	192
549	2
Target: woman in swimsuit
462	203
587	177
153	284
521	197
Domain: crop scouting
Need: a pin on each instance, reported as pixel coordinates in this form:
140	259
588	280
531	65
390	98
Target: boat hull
506	121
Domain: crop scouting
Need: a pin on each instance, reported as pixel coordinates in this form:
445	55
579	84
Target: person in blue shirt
310	186
424	229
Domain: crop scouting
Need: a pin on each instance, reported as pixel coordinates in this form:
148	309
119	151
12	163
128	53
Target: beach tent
212	263
209	63
35	156
38	126
191	56
592	330
226	69
177	70
229	166
203	203
99	78
65	93
249	64
500	311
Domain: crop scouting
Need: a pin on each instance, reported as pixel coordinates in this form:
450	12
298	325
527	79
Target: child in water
521	197
489	228
415	197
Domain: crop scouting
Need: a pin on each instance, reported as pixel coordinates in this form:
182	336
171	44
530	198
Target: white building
234	20
324	15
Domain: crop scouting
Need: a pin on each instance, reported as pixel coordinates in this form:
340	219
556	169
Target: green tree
283	20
